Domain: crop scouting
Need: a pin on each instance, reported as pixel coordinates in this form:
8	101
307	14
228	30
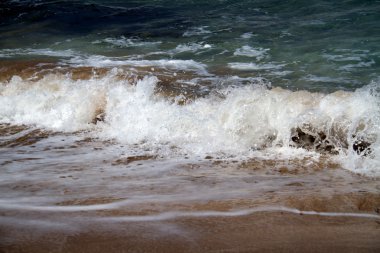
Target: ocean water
114	104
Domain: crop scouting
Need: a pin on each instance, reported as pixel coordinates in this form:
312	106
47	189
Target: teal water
313	45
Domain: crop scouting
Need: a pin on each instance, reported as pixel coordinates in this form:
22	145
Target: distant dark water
314	45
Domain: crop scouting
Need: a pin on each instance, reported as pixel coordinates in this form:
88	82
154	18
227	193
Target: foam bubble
258	53
249	118
54	102
6	53
351	67
124	42
326	79
103	61
254	66
196	31
247	35
191	47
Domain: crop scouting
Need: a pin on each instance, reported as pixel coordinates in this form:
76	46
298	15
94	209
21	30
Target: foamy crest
6	53
354	59
196	31
103	61
246	121
351	67
54	102
362	120
191	47
247	35
124	42
325	79
258	53
254	66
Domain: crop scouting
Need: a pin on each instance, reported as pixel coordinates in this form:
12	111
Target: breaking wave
240	121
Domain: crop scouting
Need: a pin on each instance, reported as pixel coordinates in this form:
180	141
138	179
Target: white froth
102	61
234	121
347	55
353	59
74	58
190	47
258	53
247	35
6	53
196	31
351	67
254	66
326	79
363	122
53	102
124	42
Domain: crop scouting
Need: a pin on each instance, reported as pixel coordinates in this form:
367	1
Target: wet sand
312	210
259	232
57	199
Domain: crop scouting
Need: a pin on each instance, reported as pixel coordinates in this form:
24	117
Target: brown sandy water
75	192
64	193
171	82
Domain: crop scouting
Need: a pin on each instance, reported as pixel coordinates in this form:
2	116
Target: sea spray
236	120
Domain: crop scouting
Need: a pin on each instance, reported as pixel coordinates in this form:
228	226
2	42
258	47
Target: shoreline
257	232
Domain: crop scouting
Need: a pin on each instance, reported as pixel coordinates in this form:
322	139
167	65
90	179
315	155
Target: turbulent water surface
135	108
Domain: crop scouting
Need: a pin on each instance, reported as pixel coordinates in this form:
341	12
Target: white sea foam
6	53
343	55
235	213
180	214
196	31
280	73
342	58
354	59
77	59
54	102
350	67
127	42
235	121
258	53
247	35
103	61
254	66
191	47
326	79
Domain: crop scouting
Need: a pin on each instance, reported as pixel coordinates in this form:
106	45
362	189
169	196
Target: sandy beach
258	232
216	206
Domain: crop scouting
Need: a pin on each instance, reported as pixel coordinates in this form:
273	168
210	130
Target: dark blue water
313	45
